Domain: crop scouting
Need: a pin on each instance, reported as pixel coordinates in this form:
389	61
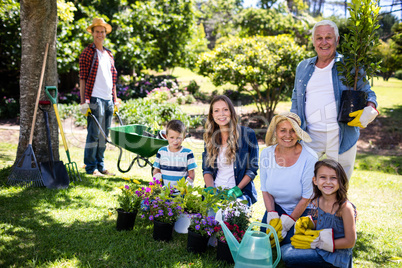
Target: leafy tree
197	45
10	48
152	34
267	4
217	17
386	21
262	66
391	61
397	38
270	22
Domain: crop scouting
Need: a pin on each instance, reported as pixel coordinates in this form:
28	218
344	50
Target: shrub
189	99
10	109
151	113
145	111
193	87
398	74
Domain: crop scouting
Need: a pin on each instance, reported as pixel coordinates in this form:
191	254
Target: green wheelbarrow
138	139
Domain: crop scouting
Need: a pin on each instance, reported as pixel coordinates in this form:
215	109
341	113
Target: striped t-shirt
174	165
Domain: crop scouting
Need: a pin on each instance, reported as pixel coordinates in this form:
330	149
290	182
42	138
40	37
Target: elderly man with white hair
316	99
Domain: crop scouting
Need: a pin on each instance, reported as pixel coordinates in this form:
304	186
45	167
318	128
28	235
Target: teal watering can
254	251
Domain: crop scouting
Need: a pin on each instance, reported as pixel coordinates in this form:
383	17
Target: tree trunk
38	27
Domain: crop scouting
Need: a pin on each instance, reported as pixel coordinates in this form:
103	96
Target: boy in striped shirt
174	162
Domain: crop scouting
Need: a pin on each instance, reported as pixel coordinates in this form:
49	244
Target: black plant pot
163	231
125	220
351	101
196	242
223	252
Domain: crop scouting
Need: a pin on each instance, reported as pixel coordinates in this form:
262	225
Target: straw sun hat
99	22
294	120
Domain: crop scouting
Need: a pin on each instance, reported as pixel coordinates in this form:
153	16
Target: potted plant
200	229
196	201
162	209
191	201
129	204
237	217
359	63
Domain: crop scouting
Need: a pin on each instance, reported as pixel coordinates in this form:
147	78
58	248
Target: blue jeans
95	143
294	257
291	232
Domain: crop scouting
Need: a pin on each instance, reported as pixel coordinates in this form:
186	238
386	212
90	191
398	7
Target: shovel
54	173
71	166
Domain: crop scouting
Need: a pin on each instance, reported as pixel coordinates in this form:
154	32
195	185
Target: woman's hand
268	201
209	180
300	208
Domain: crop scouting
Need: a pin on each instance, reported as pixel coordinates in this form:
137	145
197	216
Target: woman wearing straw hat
287	169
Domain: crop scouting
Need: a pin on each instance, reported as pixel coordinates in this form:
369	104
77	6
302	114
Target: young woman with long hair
230	158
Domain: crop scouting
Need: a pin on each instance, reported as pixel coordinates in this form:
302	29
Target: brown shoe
107	173
96	173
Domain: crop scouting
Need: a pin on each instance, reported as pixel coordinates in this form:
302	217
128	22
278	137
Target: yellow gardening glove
281	225
304	223
115	110
322	239
363	117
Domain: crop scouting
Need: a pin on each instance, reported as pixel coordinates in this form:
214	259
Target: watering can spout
231	240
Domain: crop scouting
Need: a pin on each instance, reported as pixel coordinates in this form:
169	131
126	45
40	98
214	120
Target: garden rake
71	167
26	171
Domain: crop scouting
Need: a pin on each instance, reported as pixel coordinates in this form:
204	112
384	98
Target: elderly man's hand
363	117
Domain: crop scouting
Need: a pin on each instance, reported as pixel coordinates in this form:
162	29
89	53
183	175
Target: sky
339	11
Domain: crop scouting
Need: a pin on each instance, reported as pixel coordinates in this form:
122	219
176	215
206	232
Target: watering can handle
52	99
272	231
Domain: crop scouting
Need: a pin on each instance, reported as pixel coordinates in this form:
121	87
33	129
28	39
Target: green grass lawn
71	228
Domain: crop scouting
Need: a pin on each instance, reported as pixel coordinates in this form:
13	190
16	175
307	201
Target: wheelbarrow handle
116	113
100	127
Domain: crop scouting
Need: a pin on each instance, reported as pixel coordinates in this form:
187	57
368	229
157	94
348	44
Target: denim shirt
246	162
348	136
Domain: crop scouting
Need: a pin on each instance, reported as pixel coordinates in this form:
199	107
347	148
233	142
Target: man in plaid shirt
98	77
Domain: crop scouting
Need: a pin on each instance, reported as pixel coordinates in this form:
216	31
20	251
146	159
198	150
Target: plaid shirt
89	76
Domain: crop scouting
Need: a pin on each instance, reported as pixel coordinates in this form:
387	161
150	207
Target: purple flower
197	227
127	187
170	214
151	218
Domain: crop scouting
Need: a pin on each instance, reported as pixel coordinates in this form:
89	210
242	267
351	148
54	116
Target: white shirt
225	176
321	112
287	185
104	81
